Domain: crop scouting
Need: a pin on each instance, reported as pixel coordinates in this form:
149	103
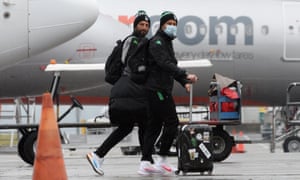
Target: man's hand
192	78
187	87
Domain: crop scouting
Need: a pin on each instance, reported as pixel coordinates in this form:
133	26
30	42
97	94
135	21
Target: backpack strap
142	43
125	48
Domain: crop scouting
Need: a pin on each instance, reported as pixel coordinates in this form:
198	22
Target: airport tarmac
256	163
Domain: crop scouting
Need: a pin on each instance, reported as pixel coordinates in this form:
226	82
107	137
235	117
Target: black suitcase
194	147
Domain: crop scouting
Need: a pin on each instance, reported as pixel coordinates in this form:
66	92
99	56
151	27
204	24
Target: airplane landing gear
27	144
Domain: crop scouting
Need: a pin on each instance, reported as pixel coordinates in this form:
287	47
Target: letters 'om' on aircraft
260	51
30	27
255	42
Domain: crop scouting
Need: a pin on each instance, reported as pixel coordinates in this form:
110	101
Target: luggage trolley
224	111
199	143
291	138
219	117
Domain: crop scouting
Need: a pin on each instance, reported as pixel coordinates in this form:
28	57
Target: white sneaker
164	166
146	169
95	162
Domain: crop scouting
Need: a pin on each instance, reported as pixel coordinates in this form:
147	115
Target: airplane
243	39
31	27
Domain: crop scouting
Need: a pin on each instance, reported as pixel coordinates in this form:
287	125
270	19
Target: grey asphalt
255	164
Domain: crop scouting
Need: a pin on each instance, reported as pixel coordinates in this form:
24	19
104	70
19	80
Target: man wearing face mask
163	70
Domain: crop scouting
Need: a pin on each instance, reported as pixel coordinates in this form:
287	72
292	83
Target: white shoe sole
90	160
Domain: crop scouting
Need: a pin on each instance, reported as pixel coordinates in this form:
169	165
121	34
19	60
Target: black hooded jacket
163	67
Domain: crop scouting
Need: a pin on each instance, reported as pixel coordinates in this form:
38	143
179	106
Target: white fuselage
30	27
255	42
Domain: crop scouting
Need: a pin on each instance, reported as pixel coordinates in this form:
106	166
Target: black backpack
135	62
113	65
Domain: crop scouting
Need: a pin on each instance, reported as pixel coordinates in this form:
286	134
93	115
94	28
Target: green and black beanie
166	16
141	16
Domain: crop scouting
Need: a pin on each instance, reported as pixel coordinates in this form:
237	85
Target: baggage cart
218	117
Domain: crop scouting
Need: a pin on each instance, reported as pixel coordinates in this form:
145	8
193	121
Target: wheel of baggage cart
222	144
291	144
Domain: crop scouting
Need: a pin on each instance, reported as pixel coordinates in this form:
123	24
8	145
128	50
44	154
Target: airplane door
291	22
14	30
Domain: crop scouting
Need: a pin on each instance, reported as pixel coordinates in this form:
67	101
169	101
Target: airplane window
265	30
6	15
291	29
233	30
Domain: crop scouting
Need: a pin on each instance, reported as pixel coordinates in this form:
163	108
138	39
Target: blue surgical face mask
171	31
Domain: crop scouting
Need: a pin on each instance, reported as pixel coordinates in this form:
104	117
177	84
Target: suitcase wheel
209	173
177	172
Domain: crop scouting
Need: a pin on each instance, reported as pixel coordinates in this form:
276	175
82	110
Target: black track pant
162	116
127	120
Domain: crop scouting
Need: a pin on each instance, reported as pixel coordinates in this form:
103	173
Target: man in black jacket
163	70
128	102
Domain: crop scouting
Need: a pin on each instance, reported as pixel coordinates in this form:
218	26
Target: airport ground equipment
291	115
223	111
27	143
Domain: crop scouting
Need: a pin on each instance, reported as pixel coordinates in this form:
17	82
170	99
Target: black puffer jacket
163	67
127	94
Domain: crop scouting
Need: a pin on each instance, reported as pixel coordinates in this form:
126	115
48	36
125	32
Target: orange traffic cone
240	147
49	162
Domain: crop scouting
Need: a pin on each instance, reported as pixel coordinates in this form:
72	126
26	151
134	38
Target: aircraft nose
53	22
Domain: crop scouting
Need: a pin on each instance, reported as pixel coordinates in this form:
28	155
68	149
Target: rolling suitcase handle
191	104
